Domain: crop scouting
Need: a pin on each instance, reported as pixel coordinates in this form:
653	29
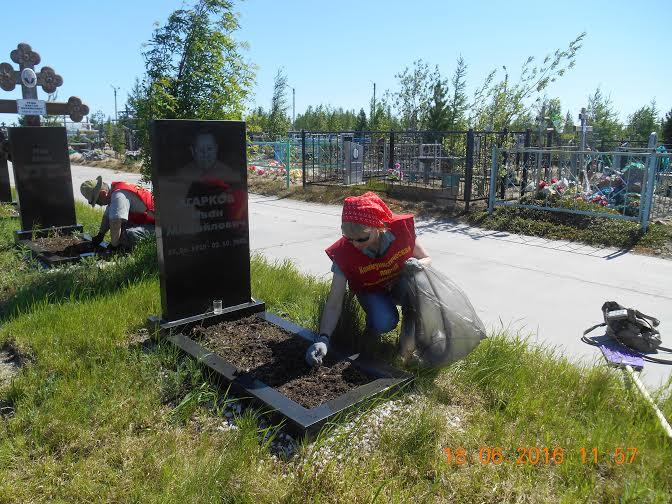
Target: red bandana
367	209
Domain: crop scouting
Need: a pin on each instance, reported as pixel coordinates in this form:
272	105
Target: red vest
367	274
146	198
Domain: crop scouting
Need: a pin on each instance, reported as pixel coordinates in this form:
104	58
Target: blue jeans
133	234
381	311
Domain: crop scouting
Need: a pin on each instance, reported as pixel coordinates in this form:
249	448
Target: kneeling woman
375	249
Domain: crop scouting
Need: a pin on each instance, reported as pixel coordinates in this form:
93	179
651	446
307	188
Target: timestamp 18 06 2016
534	455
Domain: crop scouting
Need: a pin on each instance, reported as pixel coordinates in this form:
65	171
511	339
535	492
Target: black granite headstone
199	171
5	189
42	177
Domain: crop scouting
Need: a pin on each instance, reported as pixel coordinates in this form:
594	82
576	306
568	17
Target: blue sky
332	52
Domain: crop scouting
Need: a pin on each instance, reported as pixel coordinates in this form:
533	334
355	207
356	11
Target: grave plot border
31	234
49	260
299	420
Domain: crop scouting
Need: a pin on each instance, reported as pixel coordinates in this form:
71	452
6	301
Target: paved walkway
550	290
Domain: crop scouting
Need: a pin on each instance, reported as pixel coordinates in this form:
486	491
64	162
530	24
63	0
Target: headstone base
298	419
48	259
43	233
227	313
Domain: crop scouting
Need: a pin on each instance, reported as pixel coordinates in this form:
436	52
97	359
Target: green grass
24	284
559	226
100	417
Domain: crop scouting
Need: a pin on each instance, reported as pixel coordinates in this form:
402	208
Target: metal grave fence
634	185
439	165
280	160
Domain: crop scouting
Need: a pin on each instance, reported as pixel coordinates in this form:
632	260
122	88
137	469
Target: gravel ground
357	437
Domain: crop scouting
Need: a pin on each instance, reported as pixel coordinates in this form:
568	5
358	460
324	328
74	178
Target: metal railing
447	165
629	185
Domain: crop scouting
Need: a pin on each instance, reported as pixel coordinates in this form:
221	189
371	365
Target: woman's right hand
317	351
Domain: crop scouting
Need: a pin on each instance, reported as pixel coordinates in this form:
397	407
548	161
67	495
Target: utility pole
542	125
293	105
373	109
116	116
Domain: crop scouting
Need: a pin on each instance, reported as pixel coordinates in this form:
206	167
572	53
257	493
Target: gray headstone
354	162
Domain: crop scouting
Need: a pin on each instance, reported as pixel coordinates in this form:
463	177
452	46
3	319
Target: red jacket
146	198
367	274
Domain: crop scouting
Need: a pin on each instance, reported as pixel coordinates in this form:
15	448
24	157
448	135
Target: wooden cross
47	78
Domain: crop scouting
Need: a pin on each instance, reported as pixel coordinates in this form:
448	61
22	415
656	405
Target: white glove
317	351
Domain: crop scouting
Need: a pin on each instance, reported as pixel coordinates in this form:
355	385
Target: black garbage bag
439	325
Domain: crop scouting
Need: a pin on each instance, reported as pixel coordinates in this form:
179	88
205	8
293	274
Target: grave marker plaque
200	193
42	176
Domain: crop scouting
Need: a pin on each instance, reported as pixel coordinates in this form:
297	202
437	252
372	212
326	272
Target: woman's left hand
412	265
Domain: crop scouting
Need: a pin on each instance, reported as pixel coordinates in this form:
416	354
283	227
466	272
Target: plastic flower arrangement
395	174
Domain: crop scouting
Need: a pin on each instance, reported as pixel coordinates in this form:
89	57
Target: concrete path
82	173
550	290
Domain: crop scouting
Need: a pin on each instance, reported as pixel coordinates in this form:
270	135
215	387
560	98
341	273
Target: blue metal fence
633	185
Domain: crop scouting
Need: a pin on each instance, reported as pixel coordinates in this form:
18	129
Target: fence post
493	178
469	169
502	190
390	161
645	206
526	157
549	144
288	166
303	157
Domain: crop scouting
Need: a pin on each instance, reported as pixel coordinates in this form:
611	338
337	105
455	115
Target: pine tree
603	118
278	121
361	124
643	122
458	104
666	129
438	114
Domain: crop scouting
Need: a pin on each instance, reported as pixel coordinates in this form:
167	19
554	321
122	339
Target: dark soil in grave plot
277	358
64	246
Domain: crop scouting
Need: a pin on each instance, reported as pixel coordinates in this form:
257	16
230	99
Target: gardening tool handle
663	421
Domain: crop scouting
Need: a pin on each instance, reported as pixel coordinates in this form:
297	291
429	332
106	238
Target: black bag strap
590	329
654	321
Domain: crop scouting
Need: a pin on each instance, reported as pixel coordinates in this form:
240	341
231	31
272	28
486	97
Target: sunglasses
358	240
